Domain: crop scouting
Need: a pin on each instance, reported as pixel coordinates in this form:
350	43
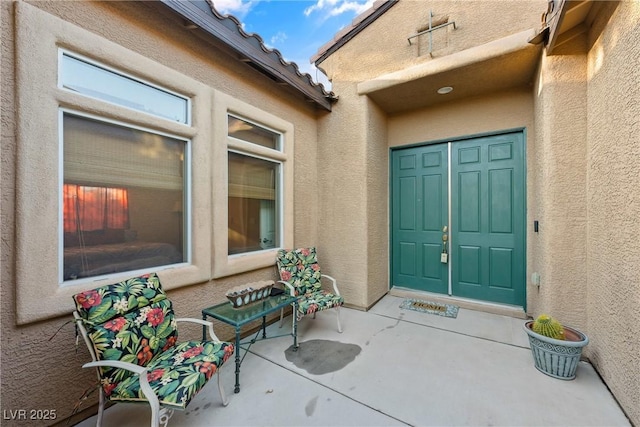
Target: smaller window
254	202
253	207
242	129
97	81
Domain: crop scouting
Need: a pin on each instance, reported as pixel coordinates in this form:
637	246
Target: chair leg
101	400
338	316
155	415
281	316
225	400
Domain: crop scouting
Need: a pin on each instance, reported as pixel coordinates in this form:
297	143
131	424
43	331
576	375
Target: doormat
446	310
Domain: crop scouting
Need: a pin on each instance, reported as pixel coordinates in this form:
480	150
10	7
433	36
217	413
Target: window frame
279	147
223	263
141	81
257	151
186	197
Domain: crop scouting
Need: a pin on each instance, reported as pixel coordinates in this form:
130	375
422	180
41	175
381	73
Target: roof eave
269	62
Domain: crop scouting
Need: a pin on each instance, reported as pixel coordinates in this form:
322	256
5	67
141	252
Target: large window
254	189
123	198
123	190
113	180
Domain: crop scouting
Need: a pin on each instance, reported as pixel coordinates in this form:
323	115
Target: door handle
444	256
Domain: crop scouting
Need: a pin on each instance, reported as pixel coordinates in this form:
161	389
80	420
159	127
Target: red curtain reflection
95	208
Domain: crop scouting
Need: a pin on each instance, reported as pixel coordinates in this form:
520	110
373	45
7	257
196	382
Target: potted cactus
556	349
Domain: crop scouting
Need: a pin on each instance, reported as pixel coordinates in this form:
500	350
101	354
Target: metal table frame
238	317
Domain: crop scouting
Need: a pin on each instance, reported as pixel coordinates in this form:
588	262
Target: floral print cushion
133	321
300	268
318	301
176	375
100	305
137	337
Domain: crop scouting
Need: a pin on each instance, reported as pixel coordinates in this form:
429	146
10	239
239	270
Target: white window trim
223	263
253	146
62	52
38	292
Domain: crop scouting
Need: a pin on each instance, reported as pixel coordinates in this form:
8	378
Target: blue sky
297	28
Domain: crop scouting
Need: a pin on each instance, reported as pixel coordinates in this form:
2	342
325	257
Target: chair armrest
288	286
140	371
335	284
213	335
136	369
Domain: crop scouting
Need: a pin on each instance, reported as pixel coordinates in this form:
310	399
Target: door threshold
487	307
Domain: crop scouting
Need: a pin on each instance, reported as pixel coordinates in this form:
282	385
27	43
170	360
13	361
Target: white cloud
278	38
337	7
238	8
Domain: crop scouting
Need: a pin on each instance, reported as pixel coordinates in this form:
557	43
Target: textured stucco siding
558	252
504	110
42	374
587	193
377	204
342	170
383	47
613	204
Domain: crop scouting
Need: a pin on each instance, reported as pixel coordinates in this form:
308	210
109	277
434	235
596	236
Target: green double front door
458	218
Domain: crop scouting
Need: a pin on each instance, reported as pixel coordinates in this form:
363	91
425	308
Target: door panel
488	216
419	211
487	230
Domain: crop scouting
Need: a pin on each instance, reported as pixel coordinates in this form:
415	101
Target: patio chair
300	274
131	332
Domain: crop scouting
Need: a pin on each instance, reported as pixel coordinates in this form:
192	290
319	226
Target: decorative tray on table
240	296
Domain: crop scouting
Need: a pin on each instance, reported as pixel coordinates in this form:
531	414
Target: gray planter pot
557	358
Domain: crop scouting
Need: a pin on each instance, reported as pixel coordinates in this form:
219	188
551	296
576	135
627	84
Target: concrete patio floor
394	367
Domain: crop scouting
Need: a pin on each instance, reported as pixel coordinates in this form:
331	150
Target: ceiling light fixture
445	90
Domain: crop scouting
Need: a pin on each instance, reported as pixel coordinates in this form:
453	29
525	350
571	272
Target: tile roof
251	49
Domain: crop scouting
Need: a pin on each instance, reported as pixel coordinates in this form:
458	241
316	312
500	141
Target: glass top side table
238	317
